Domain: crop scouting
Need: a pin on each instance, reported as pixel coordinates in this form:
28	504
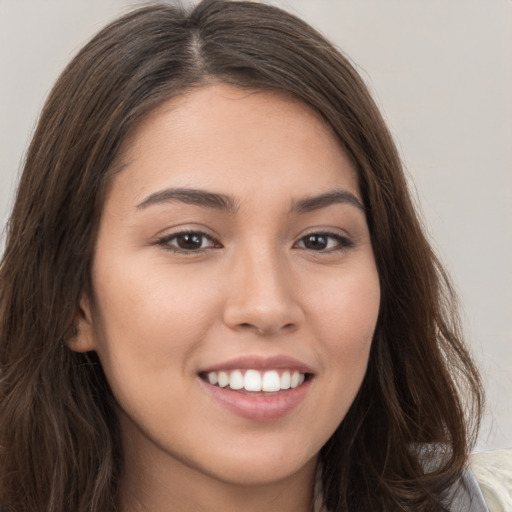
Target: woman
216	293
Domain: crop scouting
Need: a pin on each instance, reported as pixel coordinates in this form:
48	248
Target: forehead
238	140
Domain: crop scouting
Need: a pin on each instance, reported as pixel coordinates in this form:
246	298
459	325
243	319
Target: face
235	288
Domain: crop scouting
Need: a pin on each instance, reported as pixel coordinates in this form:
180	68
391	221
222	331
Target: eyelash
165	242
343	243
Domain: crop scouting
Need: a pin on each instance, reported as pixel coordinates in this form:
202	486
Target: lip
279	362
258	406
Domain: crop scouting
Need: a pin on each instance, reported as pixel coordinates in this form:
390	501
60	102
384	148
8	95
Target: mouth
262	382
257	388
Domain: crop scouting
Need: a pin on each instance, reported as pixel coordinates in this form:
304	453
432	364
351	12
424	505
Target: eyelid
185	228
344	241
164	241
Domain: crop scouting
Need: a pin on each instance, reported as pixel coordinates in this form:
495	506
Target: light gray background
441	70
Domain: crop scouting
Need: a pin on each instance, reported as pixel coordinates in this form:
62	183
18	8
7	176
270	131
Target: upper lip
279	362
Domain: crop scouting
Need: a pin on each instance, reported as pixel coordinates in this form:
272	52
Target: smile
256	380
258	388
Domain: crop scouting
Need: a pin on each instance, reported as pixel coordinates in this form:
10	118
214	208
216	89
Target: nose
263	296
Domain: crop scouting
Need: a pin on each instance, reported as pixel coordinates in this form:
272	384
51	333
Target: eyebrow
227	203
310	204
195	197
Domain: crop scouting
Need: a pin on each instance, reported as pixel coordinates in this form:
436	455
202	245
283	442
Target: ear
84	339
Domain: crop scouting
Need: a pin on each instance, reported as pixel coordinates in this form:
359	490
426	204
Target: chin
262	461
262	472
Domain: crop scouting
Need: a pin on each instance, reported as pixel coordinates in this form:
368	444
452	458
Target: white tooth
252	380
294	380
301	378
223	379
213	378
285	380
236	380
271	381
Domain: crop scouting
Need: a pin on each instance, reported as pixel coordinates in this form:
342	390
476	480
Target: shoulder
493	472
486	485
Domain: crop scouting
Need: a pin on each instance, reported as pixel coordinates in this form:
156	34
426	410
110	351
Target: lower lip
258	407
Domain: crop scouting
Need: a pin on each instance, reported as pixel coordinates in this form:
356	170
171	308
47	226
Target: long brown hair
406	437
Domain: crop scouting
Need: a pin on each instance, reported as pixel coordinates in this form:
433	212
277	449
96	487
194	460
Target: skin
253	287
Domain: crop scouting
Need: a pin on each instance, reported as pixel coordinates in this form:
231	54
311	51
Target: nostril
264	330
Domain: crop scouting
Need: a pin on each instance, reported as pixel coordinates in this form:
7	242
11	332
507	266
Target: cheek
346	306
149	318
150	326
345	314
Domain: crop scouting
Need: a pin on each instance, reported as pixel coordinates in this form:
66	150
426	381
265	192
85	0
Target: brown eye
316	242
189	241
193	241
324	242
